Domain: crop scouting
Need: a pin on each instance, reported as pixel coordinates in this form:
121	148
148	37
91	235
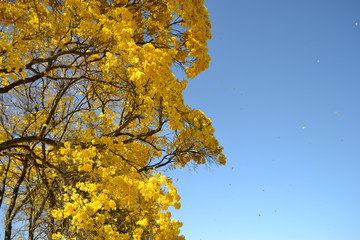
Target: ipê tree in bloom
90	109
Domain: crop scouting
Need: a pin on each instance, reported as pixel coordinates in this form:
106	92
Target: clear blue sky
283	91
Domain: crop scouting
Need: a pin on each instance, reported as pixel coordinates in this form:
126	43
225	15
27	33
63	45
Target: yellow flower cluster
91	108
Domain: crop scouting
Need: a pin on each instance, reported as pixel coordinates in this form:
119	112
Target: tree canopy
90	109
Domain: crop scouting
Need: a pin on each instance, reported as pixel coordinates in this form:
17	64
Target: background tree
90	108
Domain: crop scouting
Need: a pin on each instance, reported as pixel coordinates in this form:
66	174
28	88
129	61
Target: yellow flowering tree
90	109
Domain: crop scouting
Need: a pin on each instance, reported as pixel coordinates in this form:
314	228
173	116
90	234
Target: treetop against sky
91	109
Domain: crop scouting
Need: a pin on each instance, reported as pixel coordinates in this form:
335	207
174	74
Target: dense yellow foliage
90	109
